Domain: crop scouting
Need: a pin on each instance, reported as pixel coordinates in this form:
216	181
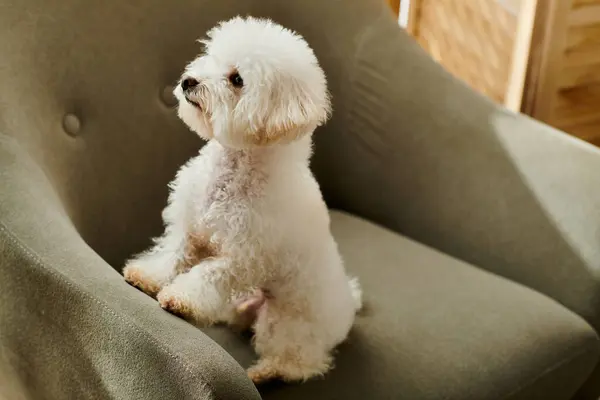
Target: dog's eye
236	80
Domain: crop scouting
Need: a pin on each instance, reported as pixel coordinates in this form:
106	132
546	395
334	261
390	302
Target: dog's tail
356	292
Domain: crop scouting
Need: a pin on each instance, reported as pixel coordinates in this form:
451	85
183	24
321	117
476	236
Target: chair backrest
85	88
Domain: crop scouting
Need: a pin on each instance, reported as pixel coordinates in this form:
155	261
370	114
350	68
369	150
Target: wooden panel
580	105
584	15
414	14
577	105
472	39
548	43
584	3
587	74
582	47
587	132
575	59
526	10
584	95
555	80
583	39
395	5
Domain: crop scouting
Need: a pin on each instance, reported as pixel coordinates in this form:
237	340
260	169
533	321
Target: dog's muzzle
189	86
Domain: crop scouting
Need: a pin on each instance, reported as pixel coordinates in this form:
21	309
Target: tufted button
71	124
167	96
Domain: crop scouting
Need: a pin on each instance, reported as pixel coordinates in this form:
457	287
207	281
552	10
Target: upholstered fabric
89	140
71	328
437	328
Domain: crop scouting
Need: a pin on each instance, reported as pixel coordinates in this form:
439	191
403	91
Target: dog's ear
296	109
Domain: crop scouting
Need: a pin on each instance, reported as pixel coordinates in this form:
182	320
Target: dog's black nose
188	83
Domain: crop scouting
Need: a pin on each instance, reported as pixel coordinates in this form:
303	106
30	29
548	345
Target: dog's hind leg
246	310
289	345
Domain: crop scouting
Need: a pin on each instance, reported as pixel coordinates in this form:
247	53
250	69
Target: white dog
246	219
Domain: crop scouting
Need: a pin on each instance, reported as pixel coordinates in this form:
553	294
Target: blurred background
538	57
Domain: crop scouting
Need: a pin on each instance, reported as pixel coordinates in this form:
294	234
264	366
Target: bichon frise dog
246	225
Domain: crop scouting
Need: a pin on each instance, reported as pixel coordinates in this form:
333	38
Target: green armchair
475	232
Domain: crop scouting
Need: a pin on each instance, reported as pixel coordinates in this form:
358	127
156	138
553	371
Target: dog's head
256	84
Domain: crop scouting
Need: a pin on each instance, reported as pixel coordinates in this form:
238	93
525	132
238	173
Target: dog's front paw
179	304
174	303
135	277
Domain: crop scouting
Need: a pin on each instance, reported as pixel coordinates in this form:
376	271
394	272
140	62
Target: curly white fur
247	214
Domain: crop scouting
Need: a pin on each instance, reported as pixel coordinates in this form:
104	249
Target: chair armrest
421	153
70	327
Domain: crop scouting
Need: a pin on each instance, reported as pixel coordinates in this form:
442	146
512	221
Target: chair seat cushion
434	327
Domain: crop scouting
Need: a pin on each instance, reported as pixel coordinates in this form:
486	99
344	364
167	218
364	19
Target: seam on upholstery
357	135
545	372
40	262
362	37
